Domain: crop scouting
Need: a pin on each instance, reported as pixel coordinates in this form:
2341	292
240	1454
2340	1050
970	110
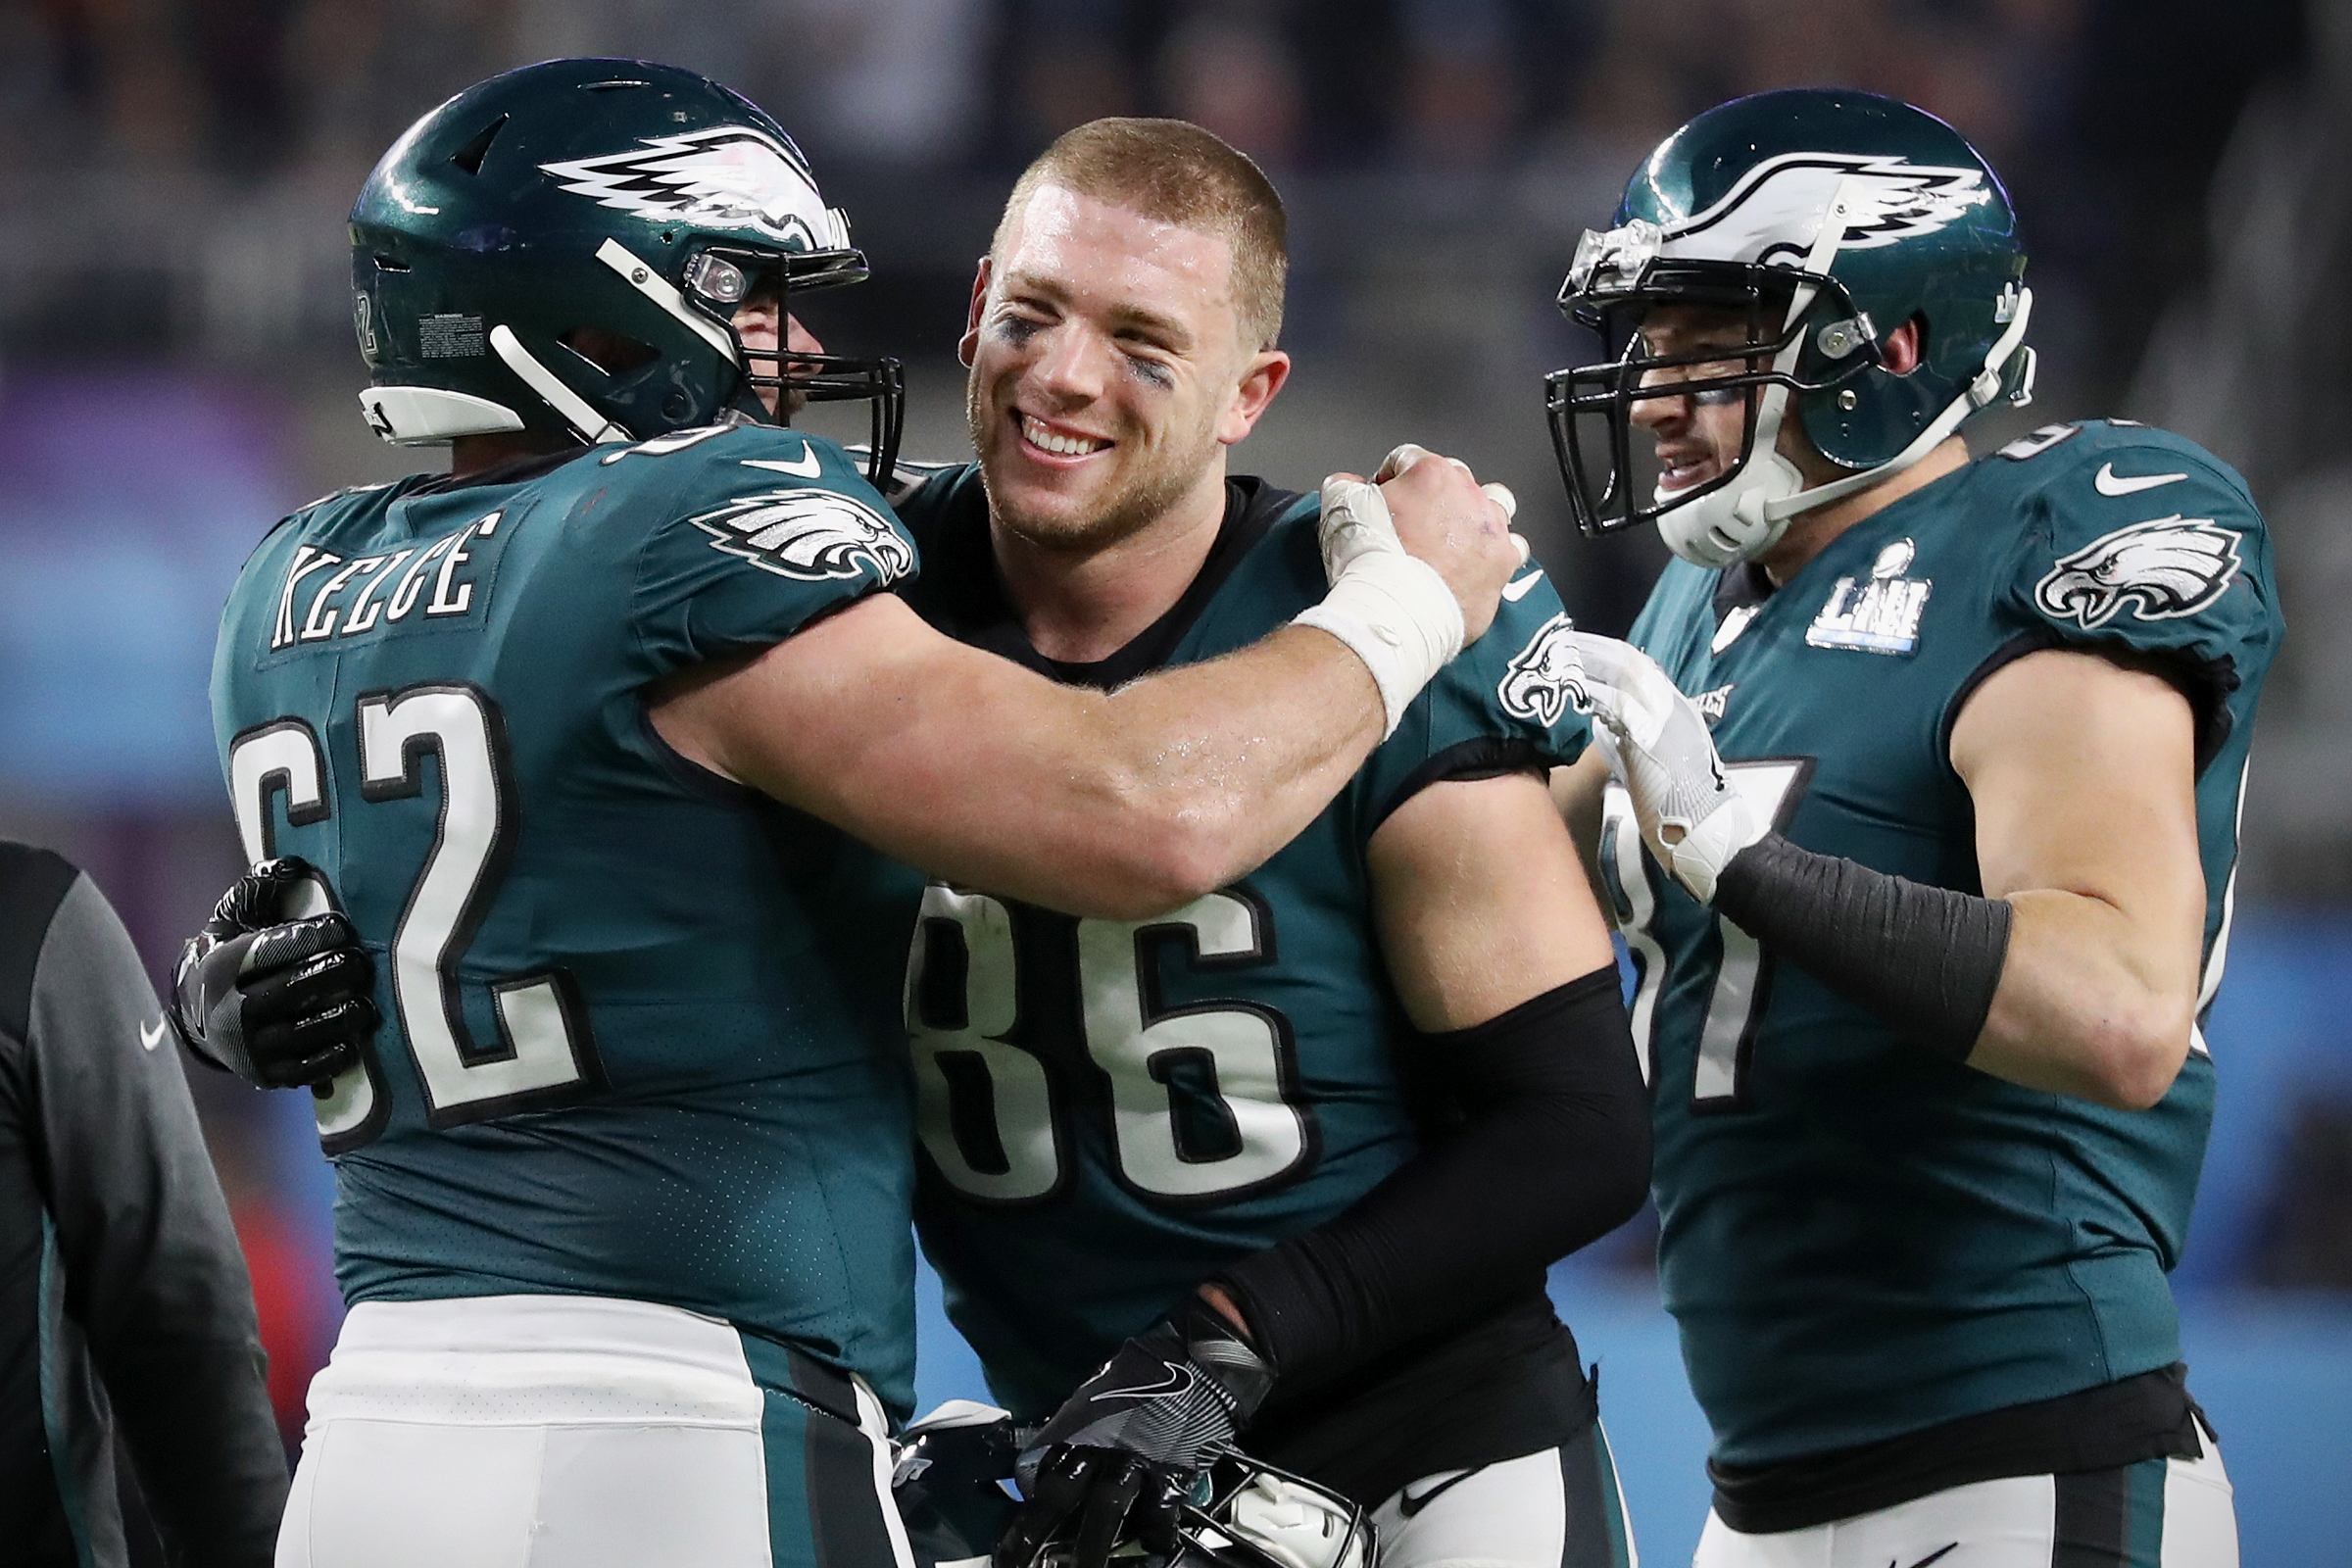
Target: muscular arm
1481	902
2076	971
1501	960
2084	779
1118	804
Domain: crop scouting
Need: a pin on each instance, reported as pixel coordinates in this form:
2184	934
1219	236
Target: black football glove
947	1477
1121	1455
276	1001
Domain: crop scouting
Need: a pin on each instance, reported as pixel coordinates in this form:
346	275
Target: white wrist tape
1398	616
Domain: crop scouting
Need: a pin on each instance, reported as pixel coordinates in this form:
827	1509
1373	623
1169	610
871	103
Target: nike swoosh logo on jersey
154	1039
1409	1506
2109	485
804	467
1516	591
1938	1552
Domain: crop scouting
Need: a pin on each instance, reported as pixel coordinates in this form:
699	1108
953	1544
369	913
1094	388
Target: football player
1949	888
1285	1164
588	738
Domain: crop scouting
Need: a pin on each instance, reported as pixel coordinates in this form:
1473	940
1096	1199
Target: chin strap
1982	390
594	428
641	276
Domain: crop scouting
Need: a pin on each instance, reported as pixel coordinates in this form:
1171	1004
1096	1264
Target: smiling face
1108	370
1698	434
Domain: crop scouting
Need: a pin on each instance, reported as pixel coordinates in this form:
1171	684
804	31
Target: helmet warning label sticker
450	337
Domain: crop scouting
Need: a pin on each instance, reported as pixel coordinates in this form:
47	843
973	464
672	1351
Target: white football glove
1658	748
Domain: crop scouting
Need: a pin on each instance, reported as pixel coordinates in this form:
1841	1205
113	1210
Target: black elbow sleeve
1555	1153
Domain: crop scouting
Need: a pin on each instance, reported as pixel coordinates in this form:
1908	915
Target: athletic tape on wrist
1398	616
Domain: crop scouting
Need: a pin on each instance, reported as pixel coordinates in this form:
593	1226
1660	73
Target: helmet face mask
720	278
595	201
1740	314
1819	221
1246	1513
1259	1516
953	1465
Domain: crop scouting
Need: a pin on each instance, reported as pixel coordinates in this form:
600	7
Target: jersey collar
966	598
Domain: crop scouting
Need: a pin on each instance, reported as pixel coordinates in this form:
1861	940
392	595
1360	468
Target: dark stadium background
177	370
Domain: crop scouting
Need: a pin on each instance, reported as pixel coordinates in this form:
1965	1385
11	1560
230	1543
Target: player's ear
1263	377
969	343
1906	347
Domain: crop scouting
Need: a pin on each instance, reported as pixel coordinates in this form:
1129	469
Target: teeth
1068	446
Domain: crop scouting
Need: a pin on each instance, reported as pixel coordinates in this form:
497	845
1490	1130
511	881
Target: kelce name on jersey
1882	615
383	589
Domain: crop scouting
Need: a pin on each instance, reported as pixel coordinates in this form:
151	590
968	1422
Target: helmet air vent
618	81
469	156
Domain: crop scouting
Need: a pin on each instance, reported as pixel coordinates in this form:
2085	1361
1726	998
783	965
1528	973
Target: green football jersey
1861	1239
1110	1111
640	1029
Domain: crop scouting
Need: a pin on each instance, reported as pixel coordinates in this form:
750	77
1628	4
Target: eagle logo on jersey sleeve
1546	679
810	534
2163	569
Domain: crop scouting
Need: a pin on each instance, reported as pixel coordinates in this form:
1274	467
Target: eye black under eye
1017	329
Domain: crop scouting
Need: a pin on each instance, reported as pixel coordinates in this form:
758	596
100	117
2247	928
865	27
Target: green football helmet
562	248
1823	221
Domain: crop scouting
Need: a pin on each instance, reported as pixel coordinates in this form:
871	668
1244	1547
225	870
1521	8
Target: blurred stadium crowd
177	368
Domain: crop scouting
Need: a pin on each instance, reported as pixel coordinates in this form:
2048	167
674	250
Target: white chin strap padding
1738	522
413	416
594	428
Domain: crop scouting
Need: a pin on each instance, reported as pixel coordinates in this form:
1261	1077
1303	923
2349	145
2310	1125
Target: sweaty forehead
1100	256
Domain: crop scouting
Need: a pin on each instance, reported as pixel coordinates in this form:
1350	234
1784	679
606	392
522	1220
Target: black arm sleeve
1555	1153
153	1275
1926	959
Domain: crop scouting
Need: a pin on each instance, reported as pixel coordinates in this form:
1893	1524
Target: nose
1069	367
757	324
1660	411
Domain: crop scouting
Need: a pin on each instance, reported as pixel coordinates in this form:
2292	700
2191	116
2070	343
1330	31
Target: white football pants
581	1432
1560	1508
2162	1513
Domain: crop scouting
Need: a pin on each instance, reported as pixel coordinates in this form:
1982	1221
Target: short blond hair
1173	172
